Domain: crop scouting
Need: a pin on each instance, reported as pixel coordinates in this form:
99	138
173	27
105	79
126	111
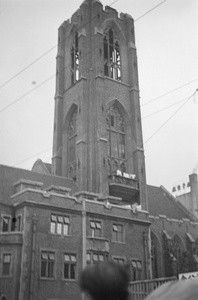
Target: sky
167	48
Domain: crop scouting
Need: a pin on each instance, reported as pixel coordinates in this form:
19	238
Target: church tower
97	124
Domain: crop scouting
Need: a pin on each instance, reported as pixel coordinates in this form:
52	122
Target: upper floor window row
11	224
60	225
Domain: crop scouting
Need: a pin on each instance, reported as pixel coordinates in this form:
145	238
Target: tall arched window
178	250
72	146
75	60
116	137
112	64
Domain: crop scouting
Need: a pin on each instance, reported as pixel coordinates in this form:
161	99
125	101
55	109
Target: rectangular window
6	223
6	267
119	260
95	228
59	225
136	267
95	257
70	266
47	264
18	223
118	233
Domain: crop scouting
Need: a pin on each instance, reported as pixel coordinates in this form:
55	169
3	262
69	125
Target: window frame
119	259
93	257
95	228
60	225
48	265
117	138
112	55
75	59
19	223
71	265
118	236
7	266
136	269
9	225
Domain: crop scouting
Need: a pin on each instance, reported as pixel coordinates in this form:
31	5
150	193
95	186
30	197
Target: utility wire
146	13
28	66
27	93
166	107
156	130
12	103
168	120
170	92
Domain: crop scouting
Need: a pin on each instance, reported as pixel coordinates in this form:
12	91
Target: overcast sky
167	49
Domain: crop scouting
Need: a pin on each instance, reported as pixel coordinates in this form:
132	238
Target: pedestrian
105	281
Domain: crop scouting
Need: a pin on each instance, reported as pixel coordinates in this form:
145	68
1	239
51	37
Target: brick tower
97	124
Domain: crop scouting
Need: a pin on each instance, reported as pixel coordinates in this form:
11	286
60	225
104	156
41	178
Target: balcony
97	244
124	187
11	238
141	289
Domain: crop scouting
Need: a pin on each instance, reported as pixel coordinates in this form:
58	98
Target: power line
27	93
28	66
170	92
166	107
146	13
12	103
168	120
156	130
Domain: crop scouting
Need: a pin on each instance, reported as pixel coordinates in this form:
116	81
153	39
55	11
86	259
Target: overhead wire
67	66
168	119
187	99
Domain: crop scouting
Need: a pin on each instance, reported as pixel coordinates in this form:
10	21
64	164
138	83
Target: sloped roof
9	176
41	167
161	202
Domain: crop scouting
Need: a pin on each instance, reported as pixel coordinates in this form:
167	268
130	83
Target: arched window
72	146
116	137
74	60
178	252
112	64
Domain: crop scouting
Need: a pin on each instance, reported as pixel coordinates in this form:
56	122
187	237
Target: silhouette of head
105	281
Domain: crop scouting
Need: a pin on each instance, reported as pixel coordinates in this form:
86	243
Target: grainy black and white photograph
99	149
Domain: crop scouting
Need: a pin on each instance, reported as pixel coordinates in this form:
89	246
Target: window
119	260
6	268
6	223
112	63
69	266
116	136
72	146
136	267
118	233
75	60
18	223
95	228
95	257
59	225
47	264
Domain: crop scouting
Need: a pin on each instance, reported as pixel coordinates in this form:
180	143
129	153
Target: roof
9	176
161	202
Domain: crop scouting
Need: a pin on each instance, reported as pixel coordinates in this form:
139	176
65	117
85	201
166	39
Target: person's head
176	290
105	281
